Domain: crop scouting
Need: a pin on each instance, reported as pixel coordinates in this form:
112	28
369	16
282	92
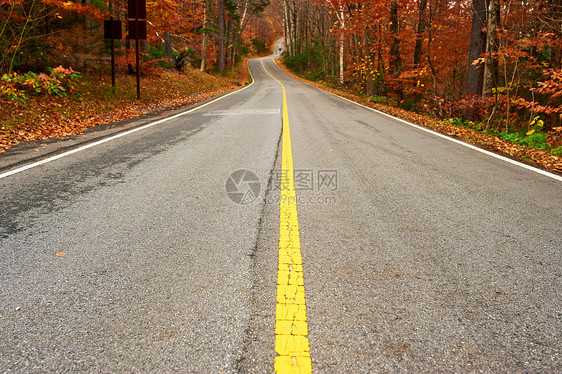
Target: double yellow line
291	329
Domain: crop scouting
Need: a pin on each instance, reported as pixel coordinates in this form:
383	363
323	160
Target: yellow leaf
530	132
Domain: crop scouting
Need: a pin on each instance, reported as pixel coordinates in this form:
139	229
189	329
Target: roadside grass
538	148
96	102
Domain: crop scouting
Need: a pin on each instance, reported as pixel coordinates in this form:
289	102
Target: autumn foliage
55	64
18	87
524	150
415	54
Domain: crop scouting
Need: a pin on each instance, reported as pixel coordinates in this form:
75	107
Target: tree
221	36
475	75
337	7
395	56
204	41
492	47
422	5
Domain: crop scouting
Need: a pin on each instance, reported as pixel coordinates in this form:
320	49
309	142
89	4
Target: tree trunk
380	57
204	41
341	58
228	44
475	75
429	61
221	37
370	61
491	63
295	28
422	4
286	27
168	44
342	42
396	58
87	20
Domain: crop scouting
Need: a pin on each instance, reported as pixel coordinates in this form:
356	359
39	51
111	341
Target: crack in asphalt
240	365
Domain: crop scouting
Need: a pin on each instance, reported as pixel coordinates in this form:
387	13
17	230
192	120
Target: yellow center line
291	330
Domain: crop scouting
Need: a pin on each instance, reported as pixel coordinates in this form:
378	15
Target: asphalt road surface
151	253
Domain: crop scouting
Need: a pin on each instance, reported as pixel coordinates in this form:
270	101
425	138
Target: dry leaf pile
43	117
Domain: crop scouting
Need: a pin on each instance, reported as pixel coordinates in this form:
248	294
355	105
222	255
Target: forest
37	34
492	65
55	65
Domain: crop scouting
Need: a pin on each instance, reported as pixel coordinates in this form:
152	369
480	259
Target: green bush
156	52
458	122
316	76
259	46
296	62
243	49
33	57
508	136
557	151
408	104
60	81
536	140
308	60
380	99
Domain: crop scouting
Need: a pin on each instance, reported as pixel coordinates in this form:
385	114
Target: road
151	253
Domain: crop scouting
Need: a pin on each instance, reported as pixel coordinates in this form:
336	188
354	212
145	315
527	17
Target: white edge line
93	144
468	145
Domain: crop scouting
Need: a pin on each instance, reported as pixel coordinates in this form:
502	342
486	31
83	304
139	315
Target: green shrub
380	99
536	140
296	62
259	46
316	76
60	81
408	104
308	60
458	122
243	49
156	52
557	151
508	136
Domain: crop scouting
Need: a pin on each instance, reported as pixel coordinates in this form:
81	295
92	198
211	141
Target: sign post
112	31
137	48
112	56
137	11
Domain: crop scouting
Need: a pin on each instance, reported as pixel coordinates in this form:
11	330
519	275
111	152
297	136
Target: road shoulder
37	150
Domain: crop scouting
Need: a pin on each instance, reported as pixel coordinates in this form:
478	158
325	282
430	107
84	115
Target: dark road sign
112	29
141	29
136	9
